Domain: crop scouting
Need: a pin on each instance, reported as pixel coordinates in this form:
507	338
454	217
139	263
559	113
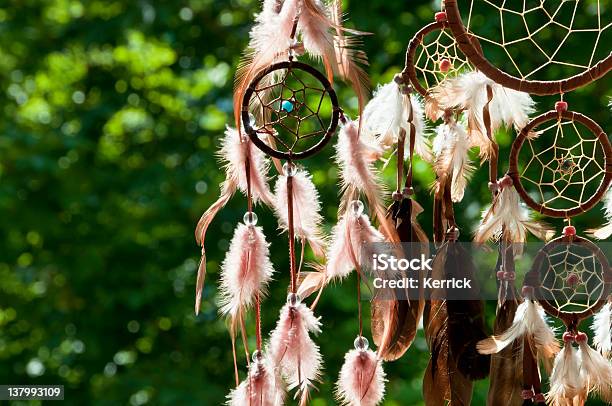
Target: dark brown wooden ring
533	278
290	155
553	115
537	87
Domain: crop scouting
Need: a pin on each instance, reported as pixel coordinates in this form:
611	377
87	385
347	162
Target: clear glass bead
356	207
293	299
289	169
250	218
361	343
257	356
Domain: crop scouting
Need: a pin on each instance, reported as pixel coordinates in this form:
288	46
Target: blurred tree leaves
111	113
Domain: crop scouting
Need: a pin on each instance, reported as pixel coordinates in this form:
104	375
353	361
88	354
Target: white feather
347	242
597	371
602	330
246	269
262	387
451	150
306	209
362	379
529	320
567	383
605	232
292	350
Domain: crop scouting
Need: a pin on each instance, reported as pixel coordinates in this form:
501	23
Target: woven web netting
563	166
571	277
295	109
540	39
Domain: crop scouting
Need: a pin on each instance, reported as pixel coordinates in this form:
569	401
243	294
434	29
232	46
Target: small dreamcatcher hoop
572	174
291	96
571	278
565	32
433	56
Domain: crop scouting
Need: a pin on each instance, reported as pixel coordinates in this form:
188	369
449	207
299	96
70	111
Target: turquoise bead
287	106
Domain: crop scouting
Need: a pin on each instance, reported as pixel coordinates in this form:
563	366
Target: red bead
572	279
568	337
527	394
561	106
527	291
569	231
440	16
539	398
581	337
506	181
445	65
509	276
500	275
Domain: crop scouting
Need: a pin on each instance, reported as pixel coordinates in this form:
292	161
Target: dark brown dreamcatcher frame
536	87
270	149
523	136
533	280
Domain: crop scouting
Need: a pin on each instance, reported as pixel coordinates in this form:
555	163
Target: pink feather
306	207
262	387
345	250
246	269
362	379
292	350
235	152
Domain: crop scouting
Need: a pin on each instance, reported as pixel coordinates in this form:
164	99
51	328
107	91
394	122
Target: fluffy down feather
292	350
567	384
508	213
362	379
469	92
602	330
306	207
388	113
530	320
451	147
597	371
246	269
262	387
345	250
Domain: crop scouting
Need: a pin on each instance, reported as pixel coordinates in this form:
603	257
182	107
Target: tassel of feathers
293	351
246	270
596	369
389	112
235	152
262	387
451	147
602	330
362	379
567	385
507	213
530	321
469	92
355	155
306	207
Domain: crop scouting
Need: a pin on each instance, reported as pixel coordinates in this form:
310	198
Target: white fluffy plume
262	387
530	321
508	213
362	379
469	92
597	371
567	384
345	251
246	269
451	150
389	112
605	232
235	152
602	330
292	350
306	209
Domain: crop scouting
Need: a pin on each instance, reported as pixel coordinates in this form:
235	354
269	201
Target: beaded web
294	106
509	30
436	48
571	277
567	173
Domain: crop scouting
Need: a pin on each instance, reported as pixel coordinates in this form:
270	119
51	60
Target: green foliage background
110	115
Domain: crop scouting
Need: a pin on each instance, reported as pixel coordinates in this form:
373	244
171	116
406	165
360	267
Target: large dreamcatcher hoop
291	104
553	40
569	176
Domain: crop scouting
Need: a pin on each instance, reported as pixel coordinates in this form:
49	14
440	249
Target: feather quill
362	379
246	270
602	330
306	209
293	351
235	152
451	150
262	387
